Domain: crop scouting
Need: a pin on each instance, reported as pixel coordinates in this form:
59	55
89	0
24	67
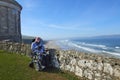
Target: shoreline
52	44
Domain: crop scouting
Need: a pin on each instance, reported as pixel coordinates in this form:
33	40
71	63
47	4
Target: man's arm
33	46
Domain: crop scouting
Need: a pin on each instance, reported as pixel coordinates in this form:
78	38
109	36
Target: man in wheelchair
38	50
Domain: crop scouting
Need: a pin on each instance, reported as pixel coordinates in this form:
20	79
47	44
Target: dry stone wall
89	66
12	47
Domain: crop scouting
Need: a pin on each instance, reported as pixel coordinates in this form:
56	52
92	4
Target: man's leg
31	63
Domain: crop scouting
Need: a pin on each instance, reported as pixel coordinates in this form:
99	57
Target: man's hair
33	40
37	38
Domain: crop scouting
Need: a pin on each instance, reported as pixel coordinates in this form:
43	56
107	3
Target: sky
54	19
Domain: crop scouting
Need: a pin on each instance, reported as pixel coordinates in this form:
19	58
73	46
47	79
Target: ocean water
109	46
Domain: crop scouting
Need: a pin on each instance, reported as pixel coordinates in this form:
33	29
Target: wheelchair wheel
37	66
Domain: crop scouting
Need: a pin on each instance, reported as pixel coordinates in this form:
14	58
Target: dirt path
49	76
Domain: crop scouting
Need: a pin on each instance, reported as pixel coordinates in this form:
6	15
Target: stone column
3	20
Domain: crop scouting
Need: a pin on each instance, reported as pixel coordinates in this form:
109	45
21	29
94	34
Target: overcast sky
52	19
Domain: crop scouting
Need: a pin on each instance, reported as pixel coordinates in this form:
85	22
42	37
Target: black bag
46	60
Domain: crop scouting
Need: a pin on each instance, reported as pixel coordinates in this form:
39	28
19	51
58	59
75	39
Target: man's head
37	39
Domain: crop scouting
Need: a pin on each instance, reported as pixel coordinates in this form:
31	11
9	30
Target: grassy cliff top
15	67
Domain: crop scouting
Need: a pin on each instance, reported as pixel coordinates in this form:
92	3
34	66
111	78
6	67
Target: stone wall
12	47
87	66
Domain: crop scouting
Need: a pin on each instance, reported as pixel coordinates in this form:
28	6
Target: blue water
110	46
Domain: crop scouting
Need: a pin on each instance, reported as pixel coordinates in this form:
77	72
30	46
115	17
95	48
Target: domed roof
12	2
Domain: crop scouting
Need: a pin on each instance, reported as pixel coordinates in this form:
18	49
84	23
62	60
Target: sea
98	45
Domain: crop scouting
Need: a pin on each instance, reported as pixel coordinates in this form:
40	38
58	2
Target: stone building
10	25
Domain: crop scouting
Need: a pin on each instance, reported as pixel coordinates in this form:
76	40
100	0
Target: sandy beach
52	45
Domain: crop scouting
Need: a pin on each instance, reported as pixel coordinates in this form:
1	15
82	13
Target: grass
15	67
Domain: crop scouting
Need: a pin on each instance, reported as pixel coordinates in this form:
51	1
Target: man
37	46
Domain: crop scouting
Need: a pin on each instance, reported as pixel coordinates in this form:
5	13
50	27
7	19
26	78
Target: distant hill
108	36
27	39
98	37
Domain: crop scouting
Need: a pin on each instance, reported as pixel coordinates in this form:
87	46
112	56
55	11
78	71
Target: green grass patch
15	67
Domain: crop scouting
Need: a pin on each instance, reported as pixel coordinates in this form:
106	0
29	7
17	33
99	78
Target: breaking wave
88	47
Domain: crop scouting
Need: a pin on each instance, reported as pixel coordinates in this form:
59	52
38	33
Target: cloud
70	27
37	23
57	26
